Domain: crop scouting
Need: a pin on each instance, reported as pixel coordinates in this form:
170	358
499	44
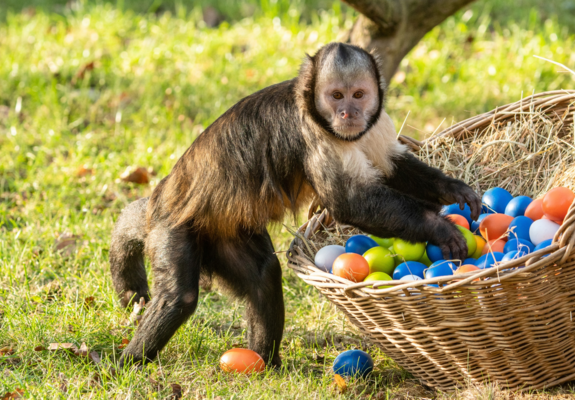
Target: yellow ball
480	242
469	238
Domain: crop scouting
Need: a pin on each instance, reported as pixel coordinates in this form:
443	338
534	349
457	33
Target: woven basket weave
514	326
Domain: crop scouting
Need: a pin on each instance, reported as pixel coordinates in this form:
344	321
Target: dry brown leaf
83	350
83	171
176	391
39	348
89	302
71	347
140	176
340	382
6	351
66	244
95	357
63	382
125	342
16	394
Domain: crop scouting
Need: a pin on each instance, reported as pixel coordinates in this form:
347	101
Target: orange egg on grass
494	226
535	210
243	361
494	246
556	203
458	220
351	266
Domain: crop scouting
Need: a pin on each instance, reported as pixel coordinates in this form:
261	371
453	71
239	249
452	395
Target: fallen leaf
95	357
63	346
16	394
6	351
39	348
157	386
140	175
89	302
176	391
82	351
125	342
63	383
340	382
66	244
82	71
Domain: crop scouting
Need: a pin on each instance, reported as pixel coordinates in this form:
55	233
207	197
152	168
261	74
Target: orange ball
549	218
458	220
494	226
466	268
556	203
351	266
535	210
243	361
493	246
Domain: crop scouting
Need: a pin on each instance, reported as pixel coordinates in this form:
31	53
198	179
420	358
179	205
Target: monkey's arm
418	179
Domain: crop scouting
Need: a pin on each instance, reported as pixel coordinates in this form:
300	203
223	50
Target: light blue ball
518	205
409	268
496	199
518	245
325	257
359	244
353	362
489	259
519	228
454	209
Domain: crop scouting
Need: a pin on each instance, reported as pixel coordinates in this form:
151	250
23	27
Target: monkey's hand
445	234
455	191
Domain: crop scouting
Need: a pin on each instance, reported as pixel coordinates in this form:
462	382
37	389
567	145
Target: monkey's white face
347	104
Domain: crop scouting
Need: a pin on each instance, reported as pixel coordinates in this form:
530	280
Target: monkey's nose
344	115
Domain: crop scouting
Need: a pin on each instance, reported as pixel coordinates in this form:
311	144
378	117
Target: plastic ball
557	201
518	205
513	255
496	199
543	244
469	239
475	224
351	266
557	221
458	220
411	278
489	260
359	244
325	257
379	259
408	251
383	242
519	228
535	210
353	362
466	268
542	230
434	253
409	268
480	245
469	261
518	245
378	276
440	268
494	226
243	361
425	260
494	246
454	209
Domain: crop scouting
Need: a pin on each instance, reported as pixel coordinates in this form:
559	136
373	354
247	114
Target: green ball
396	258
409	251
378	276
379	259
383	242
425	260
471	243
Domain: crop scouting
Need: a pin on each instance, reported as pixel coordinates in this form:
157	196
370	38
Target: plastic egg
556	202
440	268
409	268
518	245
542	230
519	228
458	220
475	224
480	245
466	268
454	209
325	257
557	221
494	226
496	199
518	205
359	244
434	252
383	242
379	259
378	276
353	362
243	361
513	255
543	244
351	266
489	260
425	260
408	251
469	239
496	246
410	278
535	210
468	261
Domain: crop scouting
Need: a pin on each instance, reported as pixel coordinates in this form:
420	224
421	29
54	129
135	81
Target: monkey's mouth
347	128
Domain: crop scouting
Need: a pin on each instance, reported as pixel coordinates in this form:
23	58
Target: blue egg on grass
434	252
543	244
518	245
440	268
475	224
454	209
409	268
513	255
353	362
518	205
489	259
468	261
325	257
359	244
519	228
496	199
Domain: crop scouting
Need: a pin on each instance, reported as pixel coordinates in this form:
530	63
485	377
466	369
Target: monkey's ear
306	72
376	58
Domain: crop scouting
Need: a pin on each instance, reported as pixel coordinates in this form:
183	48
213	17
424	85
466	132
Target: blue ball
518	245
409	268
353	362
434	253
475	224
513	255
489	259
517	206
519	228
496	199
543	244
454	209
359	244
486	210
469	261
440	268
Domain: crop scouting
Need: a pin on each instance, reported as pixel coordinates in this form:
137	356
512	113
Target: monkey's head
342	89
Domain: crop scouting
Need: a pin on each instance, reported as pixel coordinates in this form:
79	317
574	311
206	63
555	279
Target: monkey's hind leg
127	254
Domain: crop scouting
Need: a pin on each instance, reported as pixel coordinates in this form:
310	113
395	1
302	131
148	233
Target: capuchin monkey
324	133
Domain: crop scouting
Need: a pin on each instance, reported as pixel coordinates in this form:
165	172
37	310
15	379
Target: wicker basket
514	326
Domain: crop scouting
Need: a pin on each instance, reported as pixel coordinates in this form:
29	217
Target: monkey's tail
127	254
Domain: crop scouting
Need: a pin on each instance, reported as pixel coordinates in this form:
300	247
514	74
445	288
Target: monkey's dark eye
358	95
337	96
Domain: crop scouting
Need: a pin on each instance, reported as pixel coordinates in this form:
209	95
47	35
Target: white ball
541	230
326	256
410	278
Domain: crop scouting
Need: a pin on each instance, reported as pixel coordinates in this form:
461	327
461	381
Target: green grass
158	79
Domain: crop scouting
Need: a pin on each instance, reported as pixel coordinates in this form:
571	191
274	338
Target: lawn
91	90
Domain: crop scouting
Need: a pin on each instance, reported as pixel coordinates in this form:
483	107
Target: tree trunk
393	27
